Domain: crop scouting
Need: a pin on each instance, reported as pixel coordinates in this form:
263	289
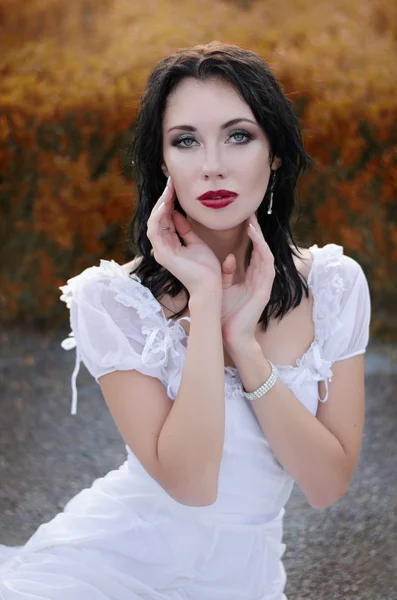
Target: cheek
181	169
254	158
258	171
177	160
258	178
181	176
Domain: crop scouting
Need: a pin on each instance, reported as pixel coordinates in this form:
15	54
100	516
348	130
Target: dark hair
256	84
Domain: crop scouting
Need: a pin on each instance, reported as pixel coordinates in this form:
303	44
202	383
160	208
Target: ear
276	163
165	170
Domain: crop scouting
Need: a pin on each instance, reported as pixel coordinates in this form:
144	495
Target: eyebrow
228	124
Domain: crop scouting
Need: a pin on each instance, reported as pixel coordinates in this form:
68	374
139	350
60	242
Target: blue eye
178	143
246	134
181	139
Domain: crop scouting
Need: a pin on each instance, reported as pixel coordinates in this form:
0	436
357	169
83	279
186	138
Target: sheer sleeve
351	336
342	308
116	324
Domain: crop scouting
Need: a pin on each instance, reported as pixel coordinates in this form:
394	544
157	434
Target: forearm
191	440
307	450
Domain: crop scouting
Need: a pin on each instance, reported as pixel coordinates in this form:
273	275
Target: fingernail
168	181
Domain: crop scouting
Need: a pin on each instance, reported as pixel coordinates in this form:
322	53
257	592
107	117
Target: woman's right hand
195	265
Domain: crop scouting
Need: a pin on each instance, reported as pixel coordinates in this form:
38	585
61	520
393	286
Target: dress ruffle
162	337
165	340
327	288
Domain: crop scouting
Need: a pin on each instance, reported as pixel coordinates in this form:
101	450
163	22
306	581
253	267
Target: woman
214	349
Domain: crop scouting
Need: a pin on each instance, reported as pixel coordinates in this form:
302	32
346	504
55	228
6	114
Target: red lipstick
213	194
221	203
217	198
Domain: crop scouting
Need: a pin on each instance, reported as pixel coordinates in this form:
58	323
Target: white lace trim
164	337
327	288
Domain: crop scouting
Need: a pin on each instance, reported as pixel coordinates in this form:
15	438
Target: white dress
124	538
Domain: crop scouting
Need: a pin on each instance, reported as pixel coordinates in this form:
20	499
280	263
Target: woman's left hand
244	302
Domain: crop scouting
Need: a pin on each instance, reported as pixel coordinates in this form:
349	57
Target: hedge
71	78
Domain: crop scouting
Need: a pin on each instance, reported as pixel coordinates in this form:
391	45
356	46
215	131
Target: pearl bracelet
265	387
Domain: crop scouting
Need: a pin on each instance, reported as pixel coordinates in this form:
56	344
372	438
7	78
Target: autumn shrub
71	77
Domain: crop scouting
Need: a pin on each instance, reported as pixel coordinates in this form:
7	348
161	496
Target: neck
229	241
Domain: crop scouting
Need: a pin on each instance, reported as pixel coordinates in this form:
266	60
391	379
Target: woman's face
214	155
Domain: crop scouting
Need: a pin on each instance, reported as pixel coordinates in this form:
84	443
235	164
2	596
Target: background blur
71	75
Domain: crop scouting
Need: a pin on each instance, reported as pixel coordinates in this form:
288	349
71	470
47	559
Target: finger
259	242
161	213
161	233
228	269
255	227
260	261
166	196
165	224
184	229
255	255
165	199
262	267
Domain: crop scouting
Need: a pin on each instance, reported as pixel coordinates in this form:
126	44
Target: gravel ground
347	551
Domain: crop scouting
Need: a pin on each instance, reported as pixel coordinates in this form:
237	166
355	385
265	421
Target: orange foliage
70	91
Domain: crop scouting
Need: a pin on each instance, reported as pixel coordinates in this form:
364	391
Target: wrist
243	347
254	369
261	375
210	296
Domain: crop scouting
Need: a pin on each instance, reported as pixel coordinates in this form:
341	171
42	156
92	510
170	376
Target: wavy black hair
254	81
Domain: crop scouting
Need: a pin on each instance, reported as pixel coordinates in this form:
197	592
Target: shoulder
303	261
336	279
331	262
110	288
132	264
90	281
341	292
342	308
169	304
108	271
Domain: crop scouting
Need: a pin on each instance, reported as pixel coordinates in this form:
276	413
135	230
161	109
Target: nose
213	166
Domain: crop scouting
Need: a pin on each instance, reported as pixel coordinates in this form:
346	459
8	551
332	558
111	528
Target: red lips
212	195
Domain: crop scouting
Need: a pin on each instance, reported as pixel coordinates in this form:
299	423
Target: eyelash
248	135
